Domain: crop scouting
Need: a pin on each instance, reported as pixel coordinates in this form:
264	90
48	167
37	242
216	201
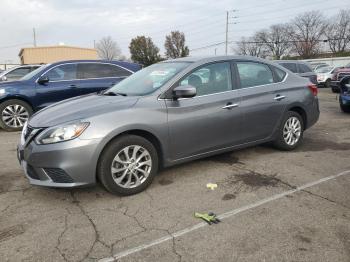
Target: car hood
4	84
80	108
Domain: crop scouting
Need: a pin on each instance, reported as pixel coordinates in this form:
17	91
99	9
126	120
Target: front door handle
72	86
230	106
279	97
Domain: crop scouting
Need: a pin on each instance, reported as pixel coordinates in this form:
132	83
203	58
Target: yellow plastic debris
212	186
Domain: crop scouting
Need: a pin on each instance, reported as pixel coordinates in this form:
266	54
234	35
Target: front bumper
66	164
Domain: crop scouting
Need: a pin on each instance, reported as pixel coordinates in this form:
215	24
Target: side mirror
43	80
187	91
4	78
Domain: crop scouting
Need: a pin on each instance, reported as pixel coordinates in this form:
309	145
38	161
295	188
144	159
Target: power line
16	45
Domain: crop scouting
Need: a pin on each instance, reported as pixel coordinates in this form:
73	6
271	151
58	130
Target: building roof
55	46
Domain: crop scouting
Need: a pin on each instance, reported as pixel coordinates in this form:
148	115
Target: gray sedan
168	113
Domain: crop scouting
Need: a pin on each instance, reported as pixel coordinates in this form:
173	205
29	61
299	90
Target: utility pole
226	41
227	24
34	37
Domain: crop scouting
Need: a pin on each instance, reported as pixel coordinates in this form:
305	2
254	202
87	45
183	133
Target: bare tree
108	49
276	39
250	46
306	32
338	31
175	45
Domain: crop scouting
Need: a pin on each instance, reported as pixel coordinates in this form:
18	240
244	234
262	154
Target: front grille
58	175
31	173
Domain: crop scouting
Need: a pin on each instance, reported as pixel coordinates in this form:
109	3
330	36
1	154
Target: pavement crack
173	240
60	237
97	234
325	198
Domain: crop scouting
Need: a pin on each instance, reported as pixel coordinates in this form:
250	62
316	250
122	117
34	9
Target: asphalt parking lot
275	206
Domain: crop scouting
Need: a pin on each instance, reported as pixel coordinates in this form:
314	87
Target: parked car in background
324	75
17	73
338	75
344	96
168	113
55	82
299	67
318	65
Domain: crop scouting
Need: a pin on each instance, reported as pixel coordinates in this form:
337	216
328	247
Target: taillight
313	89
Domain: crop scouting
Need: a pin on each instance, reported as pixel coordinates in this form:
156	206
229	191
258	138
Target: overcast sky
80	22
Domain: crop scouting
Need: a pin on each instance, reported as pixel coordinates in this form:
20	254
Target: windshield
33	73
324	69
149	79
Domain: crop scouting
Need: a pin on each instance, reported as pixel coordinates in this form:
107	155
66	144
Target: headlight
61	133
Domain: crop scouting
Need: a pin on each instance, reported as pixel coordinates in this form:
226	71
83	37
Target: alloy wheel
131	166
292	131
14	116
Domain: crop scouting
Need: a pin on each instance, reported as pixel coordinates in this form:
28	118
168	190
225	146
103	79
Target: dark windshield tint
149	79
36	71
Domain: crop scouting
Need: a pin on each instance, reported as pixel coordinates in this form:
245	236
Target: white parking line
222	216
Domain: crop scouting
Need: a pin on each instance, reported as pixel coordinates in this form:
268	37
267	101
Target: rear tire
344	108
290	132
128	165
327	84
335	89
13	114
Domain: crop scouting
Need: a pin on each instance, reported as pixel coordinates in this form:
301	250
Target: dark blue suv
55	82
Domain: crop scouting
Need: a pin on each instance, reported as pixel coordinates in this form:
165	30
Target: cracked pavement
89	224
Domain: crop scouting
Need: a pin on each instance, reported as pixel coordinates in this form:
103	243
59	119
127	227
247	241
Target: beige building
50	54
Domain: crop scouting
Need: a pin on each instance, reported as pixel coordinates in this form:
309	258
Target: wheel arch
150	136
24	99
301	111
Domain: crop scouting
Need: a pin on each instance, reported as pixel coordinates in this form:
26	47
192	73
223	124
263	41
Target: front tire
290	132
13	114
128	165
327	84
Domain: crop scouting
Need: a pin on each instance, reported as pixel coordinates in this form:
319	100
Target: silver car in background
325	75
17	72
166	114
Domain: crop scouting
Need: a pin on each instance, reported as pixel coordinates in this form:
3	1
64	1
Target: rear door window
279	74
290	66
96	70
63	73
304	68
254	74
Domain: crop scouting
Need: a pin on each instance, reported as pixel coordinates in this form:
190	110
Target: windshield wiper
110	93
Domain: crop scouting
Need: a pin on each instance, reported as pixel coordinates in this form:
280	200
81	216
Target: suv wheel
128	165
13	114
290	133
335	89
327	84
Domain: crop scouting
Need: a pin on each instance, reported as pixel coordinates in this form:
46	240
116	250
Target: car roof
207	59
129	65
292	61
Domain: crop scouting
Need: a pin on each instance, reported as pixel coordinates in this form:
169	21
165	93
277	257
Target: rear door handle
230	106
279	97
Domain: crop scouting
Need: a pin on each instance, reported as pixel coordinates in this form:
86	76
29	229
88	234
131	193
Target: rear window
95	70
290	66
